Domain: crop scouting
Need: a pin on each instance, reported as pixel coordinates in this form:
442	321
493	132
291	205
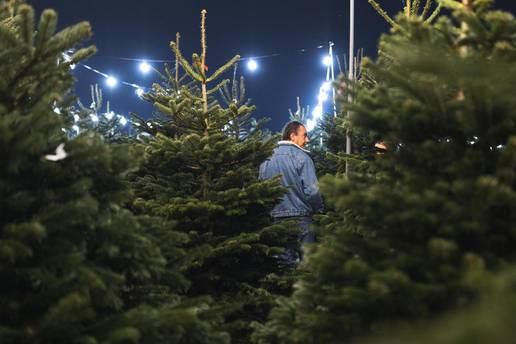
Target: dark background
143	29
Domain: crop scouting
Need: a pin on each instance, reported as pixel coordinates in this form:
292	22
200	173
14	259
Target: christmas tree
301	113
412	9
113	127
235	93
488	320
71	255
442	202
203	176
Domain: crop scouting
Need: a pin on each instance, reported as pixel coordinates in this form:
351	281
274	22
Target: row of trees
166	238
414	232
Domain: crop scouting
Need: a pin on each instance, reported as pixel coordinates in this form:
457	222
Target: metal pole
332	66
351	67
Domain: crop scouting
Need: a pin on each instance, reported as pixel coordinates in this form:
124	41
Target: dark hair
291	128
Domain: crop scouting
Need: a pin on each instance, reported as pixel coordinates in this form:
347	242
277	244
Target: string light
68	58
318	111
252	65
145	67
123	120
111	81
322	97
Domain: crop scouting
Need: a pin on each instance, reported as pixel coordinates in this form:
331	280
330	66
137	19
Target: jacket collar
284	142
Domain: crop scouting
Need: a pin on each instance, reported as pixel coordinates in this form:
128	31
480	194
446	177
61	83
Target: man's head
295	132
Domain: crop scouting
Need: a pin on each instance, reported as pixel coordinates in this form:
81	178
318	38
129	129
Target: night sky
143	29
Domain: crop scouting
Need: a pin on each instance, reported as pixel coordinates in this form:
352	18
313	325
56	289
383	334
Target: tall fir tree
489	319
70	254
427	11
205	178
442	202
235	93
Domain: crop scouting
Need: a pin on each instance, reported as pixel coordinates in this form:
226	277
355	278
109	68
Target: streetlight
327	60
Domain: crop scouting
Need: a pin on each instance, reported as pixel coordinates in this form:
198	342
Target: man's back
298	175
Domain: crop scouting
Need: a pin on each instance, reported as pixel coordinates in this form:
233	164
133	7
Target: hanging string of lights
252	65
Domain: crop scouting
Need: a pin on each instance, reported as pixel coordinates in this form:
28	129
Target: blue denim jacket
298	174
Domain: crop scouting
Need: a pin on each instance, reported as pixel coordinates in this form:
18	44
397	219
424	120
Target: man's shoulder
292	148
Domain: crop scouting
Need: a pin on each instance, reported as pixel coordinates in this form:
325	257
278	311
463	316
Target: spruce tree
112	126
427	11
235	93
442	202
204	177
489	319
70	253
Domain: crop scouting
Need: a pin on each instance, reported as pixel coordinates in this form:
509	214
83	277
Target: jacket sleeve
310	185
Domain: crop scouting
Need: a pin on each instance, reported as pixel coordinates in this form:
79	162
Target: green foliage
200	173
72	258
489	319
301	113
412	9
442	200
113	127
241	126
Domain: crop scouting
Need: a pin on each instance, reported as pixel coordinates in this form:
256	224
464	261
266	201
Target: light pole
351	72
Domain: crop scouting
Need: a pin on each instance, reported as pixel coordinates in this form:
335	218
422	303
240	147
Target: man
292	162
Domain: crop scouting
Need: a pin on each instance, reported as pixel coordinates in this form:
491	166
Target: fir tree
241	126
411	9
70	254
488	320
204	177
301	113
443	201
113	127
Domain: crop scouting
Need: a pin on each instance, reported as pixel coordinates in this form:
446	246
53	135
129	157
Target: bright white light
123	120
109	115
140	92
76	128
111	81
322	97
145	67
327	60
94	118
76	118
252	65
68	58
318	112
326	86
56	110
310	125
